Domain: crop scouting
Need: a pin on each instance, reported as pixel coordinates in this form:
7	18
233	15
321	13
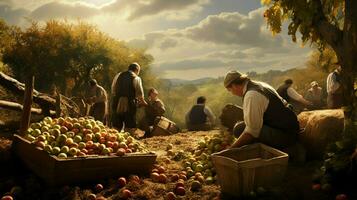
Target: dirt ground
15	179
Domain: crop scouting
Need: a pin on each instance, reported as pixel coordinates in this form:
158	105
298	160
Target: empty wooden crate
242	170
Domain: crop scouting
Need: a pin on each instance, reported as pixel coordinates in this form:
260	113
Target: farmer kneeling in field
200	117
154	109
267	117
97	98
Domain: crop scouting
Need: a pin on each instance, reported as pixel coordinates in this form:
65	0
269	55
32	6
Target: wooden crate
55	171
164	126
244	169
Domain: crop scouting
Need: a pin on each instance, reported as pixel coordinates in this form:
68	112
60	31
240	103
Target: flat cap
232	76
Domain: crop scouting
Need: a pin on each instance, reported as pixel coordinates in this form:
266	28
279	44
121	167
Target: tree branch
329	32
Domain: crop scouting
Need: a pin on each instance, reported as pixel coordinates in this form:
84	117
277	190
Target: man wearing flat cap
267	117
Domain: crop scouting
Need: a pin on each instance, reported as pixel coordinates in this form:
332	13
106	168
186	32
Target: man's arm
297	97
254	106
210	115
139	91
244	139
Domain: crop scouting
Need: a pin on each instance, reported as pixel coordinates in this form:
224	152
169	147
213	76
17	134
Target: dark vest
277	114
125	86
283	92
337	76
197	115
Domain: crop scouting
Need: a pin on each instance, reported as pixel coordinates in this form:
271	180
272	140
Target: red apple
180	184
120	152
155	170
161	169
126	194
174	177
98	187
180	191
135	178
182	176
162	178
128	151
154	176
341	197
92	197
7	197
170	196
121	182
316	187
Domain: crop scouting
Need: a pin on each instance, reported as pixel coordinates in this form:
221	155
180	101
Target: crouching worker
154	109
97	98
267	117
200	117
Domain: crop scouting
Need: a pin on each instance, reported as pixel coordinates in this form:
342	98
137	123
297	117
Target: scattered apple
180	191
121	182
341	197
98	187
126	194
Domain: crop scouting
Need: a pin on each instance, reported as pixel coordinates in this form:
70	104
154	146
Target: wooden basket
242	170
55	171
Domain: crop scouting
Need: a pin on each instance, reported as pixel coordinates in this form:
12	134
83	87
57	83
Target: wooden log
18	107
45	101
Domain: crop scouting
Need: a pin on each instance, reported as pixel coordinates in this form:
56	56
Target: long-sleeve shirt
99	94
292	93
332	84
254	106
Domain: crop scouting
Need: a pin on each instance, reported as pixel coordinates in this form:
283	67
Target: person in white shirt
267	117
127	94
334	89
200	116
292	96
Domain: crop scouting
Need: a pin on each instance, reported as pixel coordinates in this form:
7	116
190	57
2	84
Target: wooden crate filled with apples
68	150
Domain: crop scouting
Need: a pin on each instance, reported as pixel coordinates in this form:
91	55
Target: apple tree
323	23
332	24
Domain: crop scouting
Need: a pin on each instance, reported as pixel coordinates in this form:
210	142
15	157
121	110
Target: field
24	185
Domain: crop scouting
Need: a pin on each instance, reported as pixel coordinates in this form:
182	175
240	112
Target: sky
189	39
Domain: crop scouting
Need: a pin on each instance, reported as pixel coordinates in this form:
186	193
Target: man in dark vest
292	96
128	94
334	89
200	117
267	118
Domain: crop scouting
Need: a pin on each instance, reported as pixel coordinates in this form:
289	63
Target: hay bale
230	115
322	127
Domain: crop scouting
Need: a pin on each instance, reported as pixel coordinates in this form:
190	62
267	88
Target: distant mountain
177	82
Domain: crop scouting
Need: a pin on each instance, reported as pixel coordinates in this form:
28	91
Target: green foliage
302	14
68	55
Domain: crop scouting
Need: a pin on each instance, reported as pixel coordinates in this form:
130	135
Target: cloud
179	9
12	15
190	64
234	29
60	9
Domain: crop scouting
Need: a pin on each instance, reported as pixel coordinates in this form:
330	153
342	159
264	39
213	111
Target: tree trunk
348	59
26	111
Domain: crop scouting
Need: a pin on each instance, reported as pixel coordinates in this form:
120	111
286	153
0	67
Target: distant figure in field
292	96
155	108
127	91
314	95
97	97
200	117
334	89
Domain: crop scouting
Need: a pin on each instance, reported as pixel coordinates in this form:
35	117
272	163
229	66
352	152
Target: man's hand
244	139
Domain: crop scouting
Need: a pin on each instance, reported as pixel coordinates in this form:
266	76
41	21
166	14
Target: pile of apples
198	165
73	137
